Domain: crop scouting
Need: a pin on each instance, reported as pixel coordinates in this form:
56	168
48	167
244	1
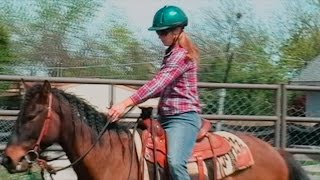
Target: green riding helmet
168	17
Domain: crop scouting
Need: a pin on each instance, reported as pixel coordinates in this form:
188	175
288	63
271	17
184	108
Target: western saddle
208	145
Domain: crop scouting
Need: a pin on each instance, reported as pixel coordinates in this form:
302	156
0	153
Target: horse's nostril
5	160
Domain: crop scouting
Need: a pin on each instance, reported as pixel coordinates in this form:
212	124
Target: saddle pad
238	158
138	145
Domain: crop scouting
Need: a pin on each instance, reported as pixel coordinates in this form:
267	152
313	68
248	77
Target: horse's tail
296	172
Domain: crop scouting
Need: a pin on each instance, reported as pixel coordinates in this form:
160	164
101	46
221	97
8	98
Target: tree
235	48
5	55
129	57
53	38
46	33
303	44
117	54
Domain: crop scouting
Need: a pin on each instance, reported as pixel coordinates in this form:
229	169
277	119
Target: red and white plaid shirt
175	83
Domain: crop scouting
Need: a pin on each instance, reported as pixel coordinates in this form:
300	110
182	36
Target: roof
310	75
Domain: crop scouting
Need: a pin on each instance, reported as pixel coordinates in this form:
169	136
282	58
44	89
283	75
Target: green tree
303	44
53	38
235	48
5	55
128	56
48	32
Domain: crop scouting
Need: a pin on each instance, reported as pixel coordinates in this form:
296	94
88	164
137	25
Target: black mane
80	108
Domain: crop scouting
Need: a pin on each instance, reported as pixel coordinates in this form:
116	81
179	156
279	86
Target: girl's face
167	36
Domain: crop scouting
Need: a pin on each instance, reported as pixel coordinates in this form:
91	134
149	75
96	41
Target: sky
140	12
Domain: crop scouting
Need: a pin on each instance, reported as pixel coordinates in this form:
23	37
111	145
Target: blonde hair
185	42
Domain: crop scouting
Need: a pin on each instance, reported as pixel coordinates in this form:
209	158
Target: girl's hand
117	110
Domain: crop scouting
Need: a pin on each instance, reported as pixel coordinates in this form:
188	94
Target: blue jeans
182	130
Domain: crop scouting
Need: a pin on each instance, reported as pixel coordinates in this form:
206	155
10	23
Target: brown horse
49	116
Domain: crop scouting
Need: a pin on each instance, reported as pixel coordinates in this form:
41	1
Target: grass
34	174
312	167
307	163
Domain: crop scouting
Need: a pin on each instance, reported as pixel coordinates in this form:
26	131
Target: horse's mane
80	108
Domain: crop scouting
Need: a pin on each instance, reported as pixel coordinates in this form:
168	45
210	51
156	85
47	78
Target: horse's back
268	163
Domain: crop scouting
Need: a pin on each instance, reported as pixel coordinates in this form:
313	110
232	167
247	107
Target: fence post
222	97
111	95
283	115
277	131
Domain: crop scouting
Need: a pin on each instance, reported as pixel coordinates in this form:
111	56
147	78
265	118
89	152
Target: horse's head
36	128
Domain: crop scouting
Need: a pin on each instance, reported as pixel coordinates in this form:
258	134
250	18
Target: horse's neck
77	141
76	136
106	155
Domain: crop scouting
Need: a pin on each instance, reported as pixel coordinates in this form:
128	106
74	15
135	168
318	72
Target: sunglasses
163	32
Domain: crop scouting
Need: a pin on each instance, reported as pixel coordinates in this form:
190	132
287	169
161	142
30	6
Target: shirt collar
170	49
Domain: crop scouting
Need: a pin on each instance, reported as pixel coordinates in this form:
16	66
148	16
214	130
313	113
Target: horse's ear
26	85
46	87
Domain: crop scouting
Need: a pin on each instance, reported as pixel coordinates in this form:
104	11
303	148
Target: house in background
310	76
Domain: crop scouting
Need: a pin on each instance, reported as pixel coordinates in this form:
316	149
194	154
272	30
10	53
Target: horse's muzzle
5	160
21	166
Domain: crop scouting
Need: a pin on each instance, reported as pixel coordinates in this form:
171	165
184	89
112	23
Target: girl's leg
181	132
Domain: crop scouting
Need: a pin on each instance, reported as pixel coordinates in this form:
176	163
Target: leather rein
32	156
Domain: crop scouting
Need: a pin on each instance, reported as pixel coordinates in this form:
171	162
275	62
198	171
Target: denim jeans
182	130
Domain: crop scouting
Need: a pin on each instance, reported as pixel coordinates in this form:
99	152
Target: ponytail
185	42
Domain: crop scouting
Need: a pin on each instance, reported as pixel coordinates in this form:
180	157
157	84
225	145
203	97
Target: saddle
209	146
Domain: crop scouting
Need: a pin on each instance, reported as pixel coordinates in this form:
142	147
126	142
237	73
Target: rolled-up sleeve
173	66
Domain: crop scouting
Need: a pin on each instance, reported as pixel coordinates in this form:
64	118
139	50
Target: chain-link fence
225	101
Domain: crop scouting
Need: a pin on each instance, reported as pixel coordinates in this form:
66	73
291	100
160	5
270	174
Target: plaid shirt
175	84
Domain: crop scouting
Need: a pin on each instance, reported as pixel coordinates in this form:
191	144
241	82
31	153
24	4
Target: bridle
32	156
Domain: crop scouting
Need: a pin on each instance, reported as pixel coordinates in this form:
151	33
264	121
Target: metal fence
271	112
286	116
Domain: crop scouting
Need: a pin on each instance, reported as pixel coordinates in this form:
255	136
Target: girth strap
214	157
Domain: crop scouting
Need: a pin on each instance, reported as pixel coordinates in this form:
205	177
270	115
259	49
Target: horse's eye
30	117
